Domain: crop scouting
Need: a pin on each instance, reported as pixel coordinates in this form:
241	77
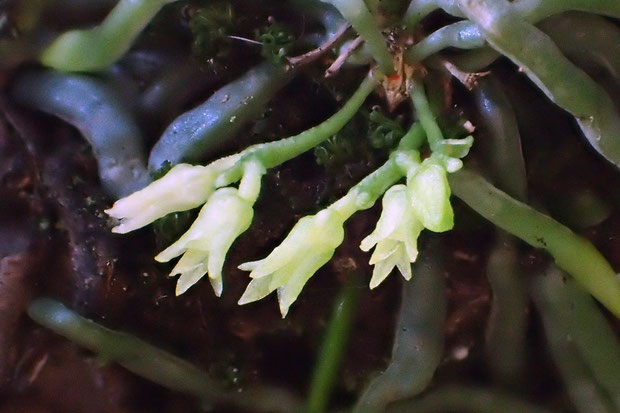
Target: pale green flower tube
395	237
429	194
97	48
183	187
310	245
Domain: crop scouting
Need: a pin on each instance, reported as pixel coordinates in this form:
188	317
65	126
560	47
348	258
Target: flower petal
257	289
192	266
384	268
250	265
288	293
412	232
385	248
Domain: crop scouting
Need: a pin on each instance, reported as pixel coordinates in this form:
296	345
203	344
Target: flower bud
429	194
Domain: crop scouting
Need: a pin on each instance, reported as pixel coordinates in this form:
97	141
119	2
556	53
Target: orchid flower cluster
422	202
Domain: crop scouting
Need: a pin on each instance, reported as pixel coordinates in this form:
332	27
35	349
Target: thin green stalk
414	138
543	62
470	399
151	362
572	253
332	348
551	294
425	116
356	13
99	47
366	192
272	154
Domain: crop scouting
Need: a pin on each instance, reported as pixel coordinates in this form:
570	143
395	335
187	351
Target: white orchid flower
183	187
310	244
395	237
429	195
225	216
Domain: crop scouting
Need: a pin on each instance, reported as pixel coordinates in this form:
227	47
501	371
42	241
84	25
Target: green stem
537	10
462	35
505	344
470	399
583	346
356	13
272	154
151	362
332	349
586	38
543	62
418	9
99	47
425	116
414	138
366	192
572	253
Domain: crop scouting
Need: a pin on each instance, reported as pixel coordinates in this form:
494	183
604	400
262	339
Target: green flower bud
429	194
